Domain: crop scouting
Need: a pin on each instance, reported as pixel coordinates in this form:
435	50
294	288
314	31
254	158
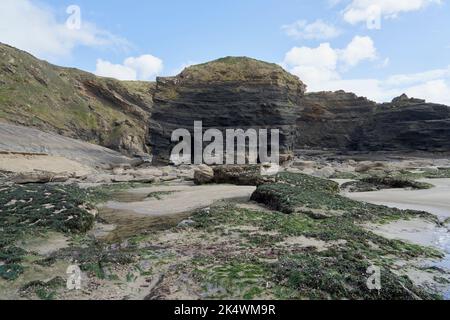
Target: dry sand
29	163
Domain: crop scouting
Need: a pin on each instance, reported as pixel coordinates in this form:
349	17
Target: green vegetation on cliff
74	103
238	69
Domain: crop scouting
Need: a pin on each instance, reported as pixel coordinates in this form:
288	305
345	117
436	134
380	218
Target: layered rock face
413	125
229	93
344	122
330	120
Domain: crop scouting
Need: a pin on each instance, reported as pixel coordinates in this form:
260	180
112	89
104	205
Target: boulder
118	171
39	177
186	223
99	178
203	175
144	179
123	178
325	172
245	175
366	166
300	164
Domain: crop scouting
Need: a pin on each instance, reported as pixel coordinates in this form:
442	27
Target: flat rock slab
14	138
170	200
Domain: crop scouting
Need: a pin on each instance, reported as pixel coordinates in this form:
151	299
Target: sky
375	48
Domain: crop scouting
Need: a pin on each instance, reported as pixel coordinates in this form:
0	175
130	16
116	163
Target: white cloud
381	90
385	63
318	30
411	79
35	28
145	67
363	10
359	49
322	56
319	65
185	65
117	71
323	69
313	65
436	91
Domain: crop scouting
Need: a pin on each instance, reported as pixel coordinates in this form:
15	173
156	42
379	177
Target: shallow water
154	208
435	201
175	199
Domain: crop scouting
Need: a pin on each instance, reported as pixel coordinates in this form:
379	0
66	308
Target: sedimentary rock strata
229	93
344	122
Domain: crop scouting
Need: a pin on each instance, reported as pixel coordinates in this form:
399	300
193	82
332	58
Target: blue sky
377	48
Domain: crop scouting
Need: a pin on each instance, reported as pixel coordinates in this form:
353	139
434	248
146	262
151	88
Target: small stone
186	223
33	177
118	171
304	164
168	178
325	172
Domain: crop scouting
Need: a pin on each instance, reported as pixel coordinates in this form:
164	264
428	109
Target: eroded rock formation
342	121
229	93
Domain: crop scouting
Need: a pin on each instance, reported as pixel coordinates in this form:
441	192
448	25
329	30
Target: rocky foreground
242	235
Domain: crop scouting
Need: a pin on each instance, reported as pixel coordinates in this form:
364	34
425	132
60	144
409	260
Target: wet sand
435	200
176	199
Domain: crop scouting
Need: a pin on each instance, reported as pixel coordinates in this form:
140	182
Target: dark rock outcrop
229	93
329	120
342	121
409	127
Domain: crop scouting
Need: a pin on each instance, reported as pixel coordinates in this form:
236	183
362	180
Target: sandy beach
435	200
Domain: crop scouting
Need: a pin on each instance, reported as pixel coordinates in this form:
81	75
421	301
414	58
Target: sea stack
229	93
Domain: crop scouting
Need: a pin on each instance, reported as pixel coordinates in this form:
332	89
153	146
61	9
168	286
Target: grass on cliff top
38	94
239	69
